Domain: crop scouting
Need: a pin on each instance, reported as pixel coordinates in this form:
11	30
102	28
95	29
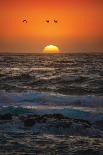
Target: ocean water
67	74
31	80
67	84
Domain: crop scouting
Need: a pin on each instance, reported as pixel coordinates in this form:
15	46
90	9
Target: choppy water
32	80
70	74
67	84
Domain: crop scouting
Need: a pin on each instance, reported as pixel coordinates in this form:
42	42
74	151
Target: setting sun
51	49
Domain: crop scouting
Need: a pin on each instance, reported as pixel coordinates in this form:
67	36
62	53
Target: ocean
70	85
67	74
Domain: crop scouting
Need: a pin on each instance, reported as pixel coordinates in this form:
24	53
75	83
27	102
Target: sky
79	27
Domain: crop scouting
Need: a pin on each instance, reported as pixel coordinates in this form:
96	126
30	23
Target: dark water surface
75	74
40	86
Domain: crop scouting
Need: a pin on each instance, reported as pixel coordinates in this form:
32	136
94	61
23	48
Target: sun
51	49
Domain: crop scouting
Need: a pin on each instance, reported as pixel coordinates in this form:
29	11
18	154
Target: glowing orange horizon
80	24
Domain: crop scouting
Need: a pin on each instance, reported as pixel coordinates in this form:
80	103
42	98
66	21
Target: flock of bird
47	21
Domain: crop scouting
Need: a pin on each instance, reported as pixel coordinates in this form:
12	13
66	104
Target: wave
66	74
89	107
42	98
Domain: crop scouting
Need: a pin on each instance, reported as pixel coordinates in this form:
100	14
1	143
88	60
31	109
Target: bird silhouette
24	21
55	21
47	21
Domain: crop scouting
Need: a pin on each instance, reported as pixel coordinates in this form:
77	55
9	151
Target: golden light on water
51	49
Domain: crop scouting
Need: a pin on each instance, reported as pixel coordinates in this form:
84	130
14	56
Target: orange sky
80	26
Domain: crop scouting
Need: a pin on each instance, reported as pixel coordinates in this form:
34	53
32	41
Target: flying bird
47	21
24	21
55	21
